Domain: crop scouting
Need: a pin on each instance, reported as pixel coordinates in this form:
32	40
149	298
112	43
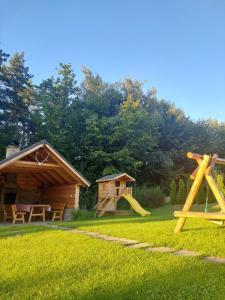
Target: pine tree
220	182
201	196
181	192
210	195
189	185
16	97
173	192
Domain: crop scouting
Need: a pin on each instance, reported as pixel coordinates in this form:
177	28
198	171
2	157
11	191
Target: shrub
220	182
189	185
173	192
181	197
149	196
201	195
210	195
83	215
87	198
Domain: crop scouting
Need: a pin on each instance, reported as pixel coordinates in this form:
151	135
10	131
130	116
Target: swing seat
200	215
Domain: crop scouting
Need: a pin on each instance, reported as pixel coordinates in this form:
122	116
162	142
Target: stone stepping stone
126	241
75	231
139	246
59	227
95	234
215	259
160	249
186	253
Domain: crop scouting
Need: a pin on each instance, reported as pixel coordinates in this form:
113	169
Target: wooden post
215	189
77	196
193	191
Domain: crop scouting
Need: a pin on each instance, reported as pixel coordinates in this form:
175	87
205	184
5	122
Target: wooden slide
135	205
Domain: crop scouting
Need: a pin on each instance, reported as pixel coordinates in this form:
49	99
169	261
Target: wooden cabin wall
106	189
29	196
68	194
123	187
23	185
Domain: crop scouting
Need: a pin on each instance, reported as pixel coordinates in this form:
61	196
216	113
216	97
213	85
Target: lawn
200	235
41	263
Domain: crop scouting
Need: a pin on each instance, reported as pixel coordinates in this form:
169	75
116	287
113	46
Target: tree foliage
173	192
101	127
181	196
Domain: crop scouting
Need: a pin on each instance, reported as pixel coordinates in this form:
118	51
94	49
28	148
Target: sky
177	46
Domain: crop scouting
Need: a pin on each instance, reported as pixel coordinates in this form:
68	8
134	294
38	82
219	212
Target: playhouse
111	189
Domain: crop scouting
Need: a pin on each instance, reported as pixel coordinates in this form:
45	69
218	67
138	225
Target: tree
53	114
201	196
16	98
181	197
173	192
220	182
189	185
210	195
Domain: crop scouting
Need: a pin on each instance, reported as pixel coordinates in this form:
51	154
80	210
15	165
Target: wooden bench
57	211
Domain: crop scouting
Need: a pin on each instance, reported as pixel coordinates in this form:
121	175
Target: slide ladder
104	203
135	205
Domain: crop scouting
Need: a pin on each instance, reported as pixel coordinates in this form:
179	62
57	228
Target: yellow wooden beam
193	191
200	215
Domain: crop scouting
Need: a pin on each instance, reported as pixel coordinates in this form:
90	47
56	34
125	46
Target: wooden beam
200	215
68	178
43	179
212	183
215	189
34	165
193	191
48	178
55	177
193	175
196	156
39	178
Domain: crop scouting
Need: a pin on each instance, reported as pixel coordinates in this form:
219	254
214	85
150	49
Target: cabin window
117	192
117	183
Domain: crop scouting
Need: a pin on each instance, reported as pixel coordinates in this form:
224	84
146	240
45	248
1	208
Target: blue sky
176	46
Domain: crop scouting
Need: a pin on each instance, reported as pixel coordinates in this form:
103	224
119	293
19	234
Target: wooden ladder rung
201	215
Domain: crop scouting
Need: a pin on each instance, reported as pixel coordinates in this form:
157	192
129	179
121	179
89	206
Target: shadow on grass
116	220
21	229
159	283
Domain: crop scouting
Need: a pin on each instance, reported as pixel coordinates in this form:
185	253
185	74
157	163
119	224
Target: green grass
53	264
41	263
199	235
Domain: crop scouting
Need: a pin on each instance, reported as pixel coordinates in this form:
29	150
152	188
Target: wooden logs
196	156
200	215
193	191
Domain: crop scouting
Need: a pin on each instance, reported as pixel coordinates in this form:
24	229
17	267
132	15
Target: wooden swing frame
206	164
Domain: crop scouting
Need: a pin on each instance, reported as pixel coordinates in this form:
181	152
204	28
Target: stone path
134	244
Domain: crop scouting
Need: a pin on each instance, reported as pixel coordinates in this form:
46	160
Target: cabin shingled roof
114	176
42	143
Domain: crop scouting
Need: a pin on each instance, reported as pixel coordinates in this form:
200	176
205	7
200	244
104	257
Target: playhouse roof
26	160
124	176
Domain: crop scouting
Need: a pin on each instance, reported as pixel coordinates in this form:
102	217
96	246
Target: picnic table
34	210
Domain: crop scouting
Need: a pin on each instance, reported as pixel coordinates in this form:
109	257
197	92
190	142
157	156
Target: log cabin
39	174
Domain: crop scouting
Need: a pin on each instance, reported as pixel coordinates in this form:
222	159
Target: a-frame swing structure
206	164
